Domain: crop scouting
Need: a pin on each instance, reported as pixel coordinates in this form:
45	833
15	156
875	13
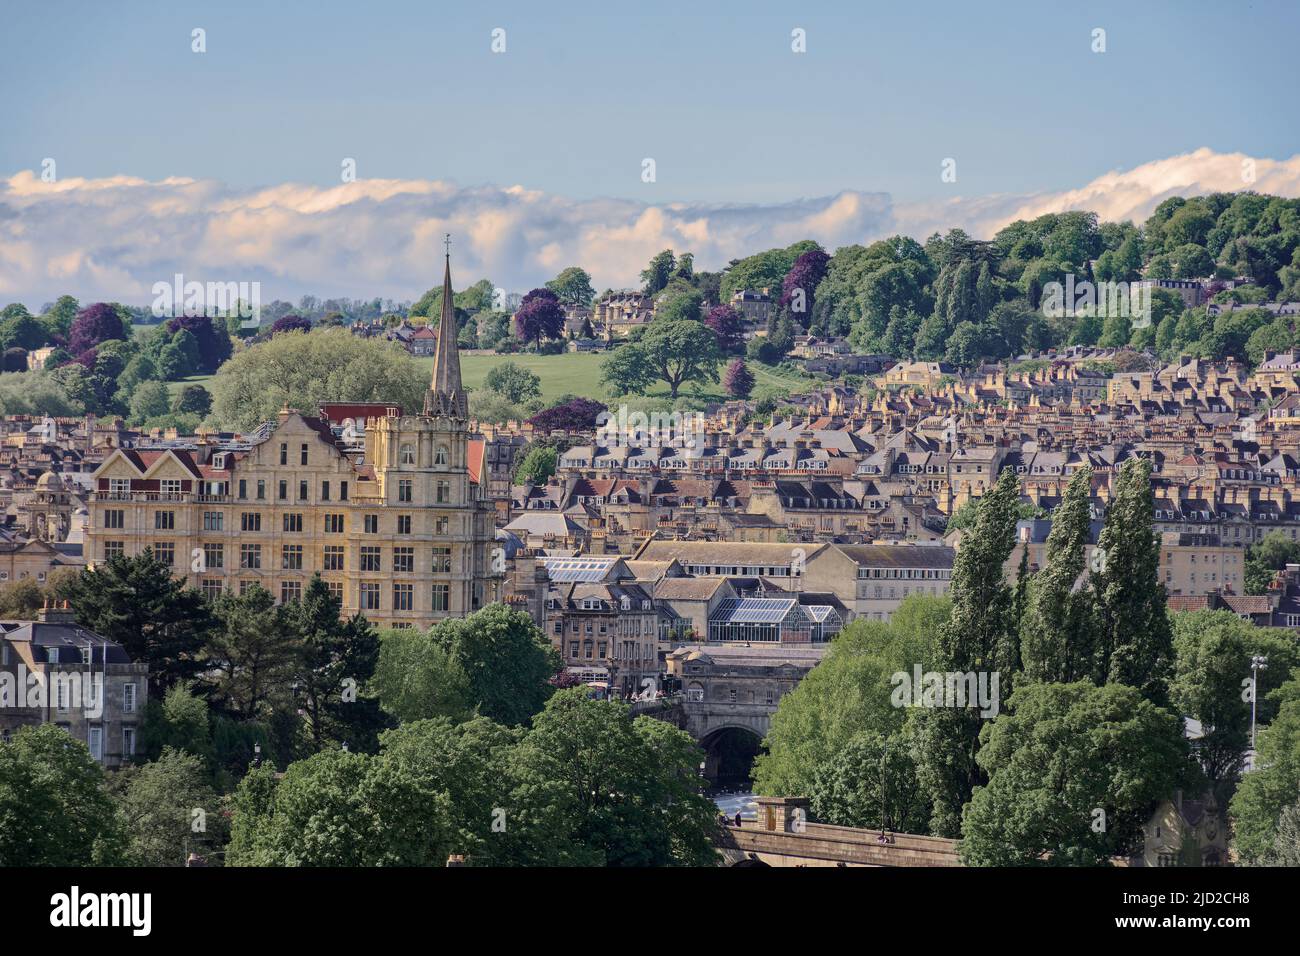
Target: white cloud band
113	238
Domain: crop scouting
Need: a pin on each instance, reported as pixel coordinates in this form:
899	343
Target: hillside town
1104	514
830	530
841	503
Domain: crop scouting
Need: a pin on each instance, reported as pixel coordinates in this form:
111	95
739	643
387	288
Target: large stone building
868	581
618	313
54	672
754	305
603	623
401	531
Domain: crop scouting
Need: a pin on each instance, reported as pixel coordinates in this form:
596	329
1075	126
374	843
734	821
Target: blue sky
711	91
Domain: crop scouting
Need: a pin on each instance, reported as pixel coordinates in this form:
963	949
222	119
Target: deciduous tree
1074	772
576	414
513	382
95	324
627	790
573	287
302	371
739	380
54	808
504	658
538	465
672	352
847	695
728	327
540	316
170	810
1212	651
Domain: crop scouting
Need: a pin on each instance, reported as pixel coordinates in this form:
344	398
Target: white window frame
95	741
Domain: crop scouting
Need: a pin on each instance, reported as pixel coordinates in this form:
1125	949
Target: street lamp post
1257	663
884	784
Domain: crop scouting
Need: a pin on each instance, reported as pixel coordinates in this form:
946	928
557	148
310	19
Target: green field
569	374
560	374
576	373
174	388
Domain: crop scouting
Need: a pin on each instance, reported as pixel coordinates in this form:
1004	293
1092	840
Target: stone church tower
422	462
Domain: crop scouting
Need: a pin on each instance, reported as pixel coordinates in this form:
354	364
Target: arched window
441	457
408	454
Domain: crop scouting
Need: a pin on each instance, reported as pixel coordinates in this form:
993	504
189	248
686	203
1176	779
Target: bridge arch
729	752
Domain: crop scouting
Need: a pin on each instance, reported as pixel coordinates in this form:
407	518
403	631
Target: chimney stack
51	613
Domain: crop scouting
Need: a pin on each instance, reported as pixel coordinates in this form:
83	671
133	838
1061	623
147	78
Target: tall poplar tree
1020	598
978	637
1135	644
1058	632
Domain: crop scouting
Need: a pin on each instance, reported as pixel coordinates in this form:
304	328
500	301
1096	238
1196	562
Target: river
729	802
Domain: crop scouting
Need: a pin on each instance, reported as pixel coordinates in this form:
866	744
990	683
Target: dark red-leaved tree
738	379
290	323
728	326
540	316
800	284
93	325
575	415
213	339
15	359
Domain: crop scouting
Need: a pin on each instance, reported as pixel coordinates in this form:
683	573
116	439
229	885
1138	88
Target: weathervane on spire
447	243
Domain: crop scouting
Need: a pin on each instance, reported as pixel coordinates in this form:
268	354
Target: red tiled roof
144	460
337	411
1248	603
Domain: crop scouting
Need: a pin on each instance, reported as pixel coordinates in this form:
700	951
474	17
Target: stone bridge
779	837
729	694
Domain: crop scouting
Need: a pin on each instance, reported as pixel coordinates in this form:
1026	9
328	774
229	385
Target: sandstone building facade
400	531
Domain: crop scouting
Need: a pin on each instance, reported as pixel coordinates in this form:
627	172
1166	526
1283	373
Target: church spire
446	395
